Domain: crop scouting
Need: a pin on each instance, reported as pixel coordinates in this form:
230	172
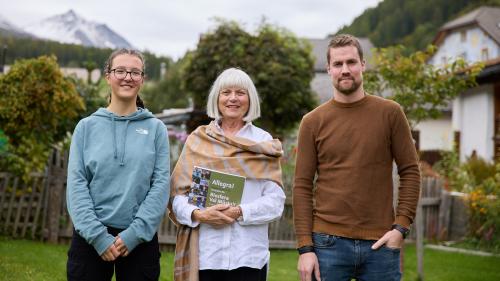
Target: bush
481	180
3	143
449	166
288	164
38	105
479	170
484	210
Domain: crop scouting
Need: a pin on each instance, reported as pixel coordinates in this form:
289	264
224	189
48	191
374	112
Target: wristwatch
305	249
405	231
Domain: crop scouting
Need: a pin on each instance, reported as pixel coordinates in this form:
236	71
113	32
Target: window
463	36
456	140
484	54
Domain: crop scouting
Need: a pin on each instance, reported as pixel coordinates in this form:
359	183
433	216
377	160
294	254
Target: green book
210	187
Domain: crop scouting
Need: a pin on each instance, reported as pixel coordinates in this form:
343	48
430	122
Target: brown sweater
350	147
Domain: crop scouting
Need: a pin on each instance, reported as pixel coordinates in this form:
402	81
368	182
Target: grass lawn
30	260
473	244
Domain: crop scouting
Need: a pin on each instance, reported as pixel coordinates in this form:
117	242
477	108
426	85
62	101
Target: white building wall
475	41
436	134
476	127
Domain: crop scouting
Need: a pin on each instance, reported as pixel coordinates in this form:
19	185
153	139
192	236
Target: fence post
420	242
55	176
444	215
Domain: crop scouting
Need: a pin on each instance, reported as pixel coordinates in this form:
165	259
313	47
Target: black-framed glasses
121	73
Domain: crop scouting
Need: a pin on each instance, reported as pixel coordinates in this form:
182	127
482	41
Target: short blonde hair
233	77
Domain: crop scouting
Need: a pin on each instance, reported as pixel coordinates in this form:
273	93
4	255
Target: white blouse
245	242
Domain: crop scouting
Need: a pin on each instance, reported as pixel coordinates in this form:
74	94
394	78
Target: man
343	205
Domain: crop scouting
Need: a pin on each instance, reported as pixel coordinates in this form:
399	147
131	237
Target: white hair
233	77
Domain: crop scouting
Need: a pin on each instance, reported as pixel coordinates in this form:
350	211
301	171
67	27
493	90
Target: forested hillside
69	54
413	23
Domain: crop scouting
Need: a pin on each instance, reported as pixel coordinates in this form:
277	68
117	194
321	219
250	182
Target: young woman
118	181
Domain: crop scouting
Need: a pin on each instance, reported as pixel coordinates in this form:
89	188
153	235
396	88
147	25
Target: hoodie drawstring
124	142
114	137
140	114
113	121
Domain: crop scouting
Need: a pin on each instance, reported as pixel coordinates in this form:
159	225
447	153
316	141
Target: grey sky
171	27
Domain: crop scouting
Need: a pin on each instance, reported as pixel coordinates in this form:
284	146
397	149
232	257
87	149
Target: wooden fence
22	206
37	210
441	215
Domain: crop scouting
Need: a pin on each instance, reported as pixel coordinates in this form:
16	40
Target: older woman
225	242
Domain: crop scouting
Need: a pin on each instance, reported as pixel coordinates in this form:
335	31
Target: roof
319	52
322	85
490	72
175	115
321	45
487	18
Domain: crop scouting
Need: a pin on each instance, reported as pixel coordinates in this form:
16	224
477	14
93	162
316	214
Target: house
474	123
321	83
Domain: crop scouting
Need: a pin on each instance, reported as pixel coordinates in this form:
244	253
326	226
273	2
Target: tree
93	94
412	23
70	55
280	65
3	143
38	105
89	66
422	89
167	92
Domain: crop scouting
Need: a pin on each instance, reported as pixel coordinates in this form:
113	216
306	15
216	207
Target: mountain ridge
9	28
72	28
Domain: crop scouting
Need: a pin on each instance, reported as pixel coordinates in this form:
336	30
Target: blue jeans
343	259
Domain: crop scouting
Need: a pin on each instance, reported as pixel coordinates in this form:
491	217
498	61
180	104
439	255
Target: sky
171	27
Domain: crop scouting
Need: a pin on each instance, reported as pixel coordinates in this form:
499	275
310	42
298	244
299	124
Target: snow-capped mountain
72	28
9	28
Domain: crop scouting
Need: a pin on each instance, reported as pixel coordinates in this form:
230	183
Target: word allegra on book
210	187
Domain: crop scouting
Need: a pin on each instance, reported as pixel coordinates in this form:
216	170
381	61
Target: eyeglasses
121	73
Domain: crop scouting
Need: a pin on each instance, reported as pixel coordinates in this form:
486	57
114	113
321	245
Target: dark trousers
238	274
84	264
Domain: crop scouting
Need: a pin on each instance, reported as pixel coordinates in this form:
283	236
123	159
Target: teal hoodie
118	176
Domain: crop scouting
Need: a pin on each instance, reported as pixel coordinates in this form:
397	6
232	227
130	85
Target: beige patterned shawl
208	147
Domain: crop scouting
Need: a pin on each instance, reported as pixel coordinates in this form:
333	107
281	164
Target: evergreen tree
70	55
413	23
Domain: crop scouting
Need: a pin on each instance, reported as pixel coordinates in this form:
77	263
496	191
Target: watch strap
405	231
305	249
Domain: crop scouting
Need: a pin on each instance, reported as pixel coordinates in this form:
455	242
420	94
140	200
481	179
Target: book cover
210	187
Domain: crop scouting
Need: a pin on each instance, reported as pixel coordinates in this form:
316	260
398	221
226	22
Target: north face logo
142	131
